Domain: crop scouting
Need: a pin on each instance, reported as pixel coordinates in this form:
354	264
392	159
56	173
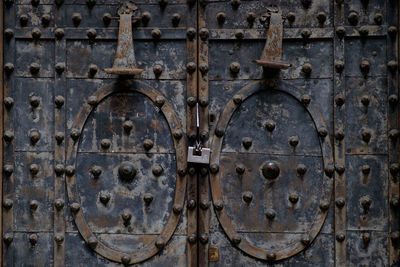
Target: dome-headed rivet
203	238
294	198
163	3
366	238
239	34
8	238
234	67
36	33
156	33
204	205
191	33
219	205
214	168
191	205
90	3
127	171
340	168
96	171
219	132
305	100
159	243
148	144
60	67
247	197
8	102
235	4
23	20
366	135
221	16
301	169
270	125
236	240
271	214
8	203
34	169
59	137
247	142
59	169
340	237
306	3
322	132
394	134
203	171
395	236
204	135
340	202
34	136
92	242
366	169
59	33
339	66
392	31
329	170
8	169
203	101
46	20
146	17
192	171
59	239
104	197
75	134
157	170
160	101
366	202
76	19
353	18
125	259
70	170
191	67
182	171
240	168
126	217
107	19
339	135
306	240
291	17
237	99
92	100
128	126
157	69
177	134
34	101
33	239
8	33
270	170
177	209
394	168
148	198
339	100
321	17
271	256
394	202
363	31
378	18
294	141
8	136
33	204
191	101
176	18
306	69
59	101
192	239
324	206
392	65
34	68
305	33
93	69
365	66
8	68
59	204
75	207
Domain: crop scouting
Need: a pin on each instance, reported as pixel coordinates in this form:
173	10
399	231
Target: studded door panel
95	164
299	172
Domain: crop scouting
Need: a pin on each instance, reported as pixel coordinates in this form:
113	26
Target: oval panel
271	180
125	178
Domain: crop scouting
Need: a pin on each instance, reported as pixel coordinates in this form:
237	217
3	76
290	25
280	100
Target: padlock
199	157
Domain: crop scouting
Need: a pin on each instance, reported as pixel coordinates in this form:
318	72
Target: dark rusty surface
275	189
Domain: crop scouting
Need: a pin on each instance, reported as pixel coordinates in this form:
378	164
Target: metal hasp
202	158
125	62
271	56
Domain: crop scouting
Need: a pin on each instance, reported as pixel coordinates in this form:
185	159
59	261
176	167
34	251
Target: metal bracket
125	62
271	56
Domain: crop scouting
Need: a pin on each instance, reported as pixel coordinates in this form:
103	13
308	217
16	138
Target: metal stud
34	68
392	65
126	217
363	31
75	134
93	69
394	168
366	135
365	100
270	125
9	68
192	239
214	168
394	202
203	171
163	3
322	132
70	170
294	198
203	238
247	142
305	100
59	33
191	33
339	135
107	19
91	34
236	240
60	67
339	66
306	3
324	206
46	20
394	134
159	243
271	256
365	66
339	100
59	137
235	4
23	20
156	33
90	3
270	170
192	135
353	18
240	168
378	18
291	17
177	209
192	171
105	143
301	169
306	69
392	31
127	171
204	205
8	136
321	17
203	101
8	203
104	197
8	3
366	202
8	238
33	204
176	18
34	136
33	239
237	99
148	198
59	101
234	67
92	242
340	237
251	17
191	67
59	239
157	69
34	169
59	204
219	132
366	169
8	169
271	214
146	17
247	197
36	34
59	169
148	144
8	102
34	101
157	170
366	238
305	33
294	141
177	133
340	168
395	236
182	171
239	34
306	240
191	205
329	170
340	202
219	205
76	19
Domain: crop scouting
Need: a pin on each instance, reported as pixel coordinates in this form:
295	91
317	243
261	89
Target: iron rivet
33	238
92	100
364	31
203	67
366	202
60	67
305	100
322	132
34	101
59	137
353	18
36	34
219	205
34	68
191	205
93	69
294	198
8	203
366	238
247	142
324	206
340	202
214	168
59	101
329	170
191	67
104	198
340	237
394	134
107	19
148	144
33	204
394	202
203	101
8	169
91	34
321	17
157	170
236	240
240	168
159	243
34	169
191	33
192	171
271	256
392	65
294	141
234	67
395	236
90	3
365	100
127	171
34	136
177	209
191	101
340	168
306	241
126	217
125	260
270	213
59	239
339	100
203	171
366	169
92	242
306	33
365	67
177	134
70	170
306	69
75	134
221	16
146	17
96	171
339	135
204	238
237	99
192	239
8	102
9	68
219	132
366	135
270	125
339	66
23	20
271	170
148	198
378	18
160	101
8	238
291	16
105	143
239	34
247	197
204	135
59	33
127	125
76	19
163	3
156	33
235	4
46	20
59	204
394	168
306	3
176	18
59	169
8	136
157	69
392	31
204	204
204	34
192	135
301	169
182	171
